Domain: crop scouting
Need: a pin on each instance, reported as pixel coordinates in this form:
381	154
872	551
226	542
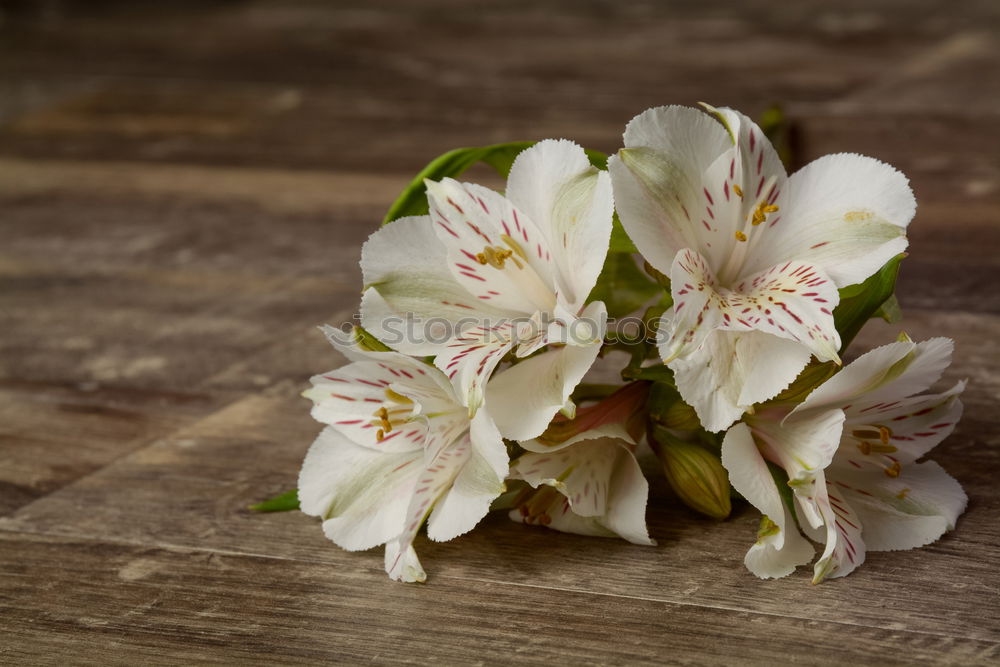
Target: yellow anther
865	447
865	433
902	494
738	190
884	433
383	419
740	236
760	213
380	436
494	256
894	469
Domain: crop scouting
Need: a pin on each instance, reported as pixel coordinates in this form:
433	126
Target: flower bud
679	416
696	476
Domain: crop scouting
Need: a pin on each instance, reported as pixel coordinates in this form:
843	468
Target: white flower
504	273
399	446
849	451
755	258
584	470
591	484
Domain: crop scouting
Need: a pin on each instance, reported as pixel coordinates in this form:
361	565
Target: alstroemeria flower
850	452
502	273
590	484
399	448
584	470
755	258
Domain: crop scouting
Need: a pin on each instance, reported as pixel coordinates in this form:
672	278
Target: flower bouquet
482	314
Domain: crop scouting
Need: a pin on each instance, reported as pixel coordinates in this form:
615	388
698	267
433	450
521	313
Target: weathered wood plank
122	604
249	92
52	435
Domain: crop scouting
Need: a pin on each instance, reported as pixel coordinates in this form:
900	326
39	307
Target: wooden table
184	188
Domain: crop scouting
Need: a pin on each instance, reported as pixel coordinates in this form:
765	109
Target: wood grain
184	189
145	604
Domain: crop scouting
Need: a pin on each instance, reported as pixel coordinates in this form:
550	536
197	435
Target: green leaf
654	372
368	341
284	503
858	303
622	286
777	128
620	242
597	158
890	310
413	200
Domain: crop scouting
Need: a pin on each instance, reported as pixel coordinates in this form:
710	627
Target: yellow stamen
884	433
380	436
760	213
894	469
383	418
740	236
902	494
865	447
514	245
738	190
494	256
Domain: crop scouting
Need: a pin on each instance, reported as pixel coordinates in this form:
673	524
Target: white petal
759	161
564	520
599	478
846	213
747	177
804	446
351	397
361	494
470	358
626	514
905	512
524	398
570	201
845	549
657	180
470	220
777	553
440	469
407	263
698	307
403	564
468	500
792	300
581	472
884	375
734	370
910	429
